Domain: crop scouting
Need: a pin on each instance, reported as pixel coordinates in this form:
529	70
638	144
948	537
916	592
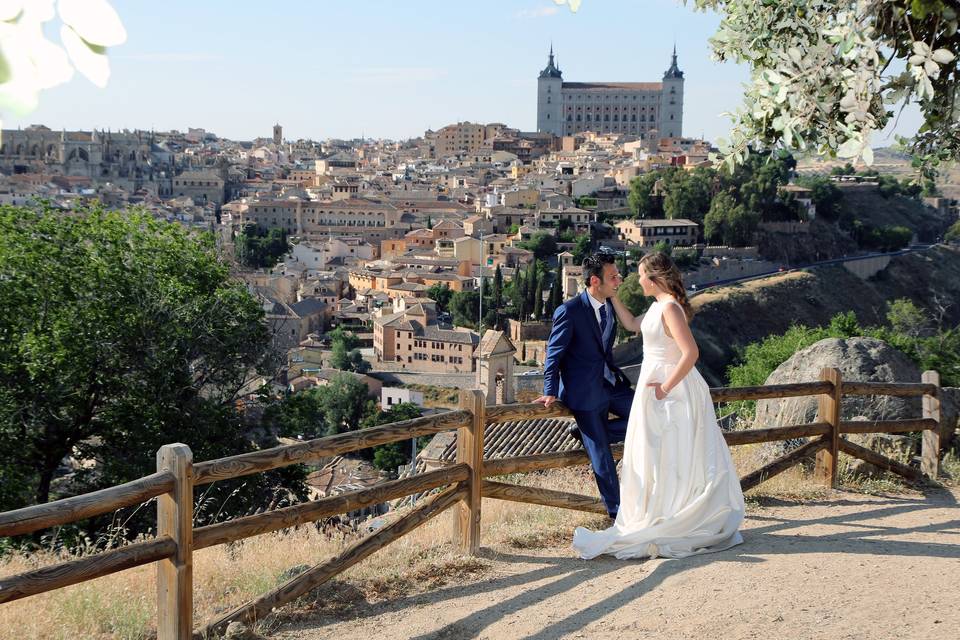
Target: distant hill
729	318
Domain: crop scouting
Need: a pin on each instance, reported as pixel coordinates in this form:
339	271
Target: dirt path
848	566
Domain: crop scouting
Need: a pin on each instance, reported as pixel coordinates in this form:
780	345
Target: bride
679	491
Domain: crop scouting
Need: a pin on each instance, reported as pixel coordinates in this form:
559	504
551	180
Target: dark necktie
607	374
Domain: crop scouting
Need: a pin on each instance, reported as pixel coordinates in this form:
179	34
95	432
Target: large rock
859	360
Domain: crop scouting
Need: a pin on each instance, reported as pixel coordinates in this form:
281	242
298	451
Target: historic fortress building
635	108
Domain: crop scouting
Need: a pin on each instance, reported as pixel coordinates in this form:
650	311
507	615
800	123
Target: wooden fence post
828	410
930	452
470	452
175	519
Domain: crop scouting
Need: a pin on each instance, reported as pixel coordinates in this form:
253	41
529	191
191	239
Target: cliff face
729	318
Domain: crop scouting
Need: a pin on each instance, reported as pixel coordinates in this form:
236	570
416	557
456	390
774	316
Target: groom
579	370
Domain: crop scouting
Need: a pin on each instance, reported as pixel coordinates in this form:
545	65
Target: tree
729	223
826	196
906	318
465	307
345	402
688	194
387	457
121	333
663	247
349	340
819	74
582	248
953	233
260	249
538	299
631	294
497	292
639	199
543	245
441	294
346	354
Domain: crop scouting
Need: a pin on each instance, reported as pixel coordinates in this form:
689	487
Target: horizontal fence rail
888	426
465	484
897	389
248	526
268	459
60	512
770	391
83	569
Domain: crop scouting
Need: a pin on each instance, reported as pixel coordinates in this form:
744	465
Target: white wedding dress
679	491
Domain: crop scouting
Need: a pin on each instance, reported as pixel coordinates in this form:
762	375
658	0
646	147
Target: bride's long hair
661	269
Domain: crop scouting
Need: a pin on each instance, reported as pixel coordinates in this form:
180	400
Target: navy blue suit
574	373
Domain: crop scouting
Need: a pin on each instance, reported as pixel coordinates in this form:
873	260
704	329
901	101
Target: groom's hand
546	400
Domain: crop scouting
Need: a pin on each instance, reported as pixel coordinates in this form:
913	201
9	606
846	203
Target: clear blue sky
383	68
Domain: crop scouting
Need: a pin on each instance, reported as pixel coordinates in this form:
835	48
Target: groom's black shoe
574	432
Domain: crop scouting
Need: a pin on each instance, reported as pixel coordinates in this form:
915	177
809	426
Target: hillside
867	205
729	318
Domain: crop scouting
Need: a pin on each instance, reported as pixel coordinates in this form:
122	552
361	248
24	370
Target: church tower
277	134
494	365
550	99
671	101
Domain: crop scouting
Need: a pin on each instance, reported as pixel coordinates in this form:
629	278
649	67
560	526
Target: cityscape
275	274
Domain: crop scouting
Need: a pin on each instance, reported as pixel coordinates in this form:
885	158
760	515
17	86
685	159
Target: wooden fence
463	485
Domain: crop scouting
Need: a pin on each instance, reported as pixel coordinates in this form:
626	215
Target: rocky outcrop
860	360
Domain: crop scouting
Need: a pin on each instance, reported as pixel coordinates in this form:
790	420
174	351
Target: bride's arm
627	319
676	322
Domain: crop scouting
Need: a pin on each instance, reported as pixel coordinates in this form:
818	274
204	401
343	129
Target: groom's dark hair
593	266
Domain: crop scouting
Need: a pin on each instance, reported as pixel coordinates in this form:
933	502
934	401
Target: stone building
634	108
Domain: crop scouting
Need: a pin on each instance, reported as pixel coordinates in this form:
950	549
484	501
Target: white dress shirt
596	307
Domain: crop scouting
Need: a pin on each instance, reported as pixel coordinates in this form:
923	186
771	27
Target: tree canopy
828	74
120	333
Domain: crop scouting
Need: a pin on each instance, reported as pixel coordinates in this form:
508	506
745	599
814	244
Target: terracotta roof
507	440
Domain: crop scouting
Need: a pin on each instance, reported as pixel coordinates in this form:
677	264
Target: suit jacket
576	353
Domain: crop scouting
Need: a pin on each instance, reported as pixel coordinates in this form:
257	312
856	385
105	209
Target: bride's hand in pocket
658	390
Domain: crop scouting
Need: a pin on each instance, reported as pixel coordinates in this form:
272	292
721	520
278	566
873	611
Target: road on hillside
821	263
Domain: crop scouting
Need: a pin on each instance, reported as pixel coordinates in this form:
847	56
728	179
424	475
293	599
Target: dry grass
436	397
122	606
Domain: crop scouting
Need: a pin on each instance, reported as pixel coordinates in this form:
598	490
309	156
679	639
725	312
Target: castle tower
671	101
550	98
494	367
277	134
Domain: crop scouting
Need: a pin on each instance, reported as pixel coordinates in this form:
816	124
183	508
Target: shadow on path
771	535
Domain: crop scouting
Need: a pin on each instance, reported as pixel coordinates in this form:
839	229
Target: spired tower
550	99
277	134
671	101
